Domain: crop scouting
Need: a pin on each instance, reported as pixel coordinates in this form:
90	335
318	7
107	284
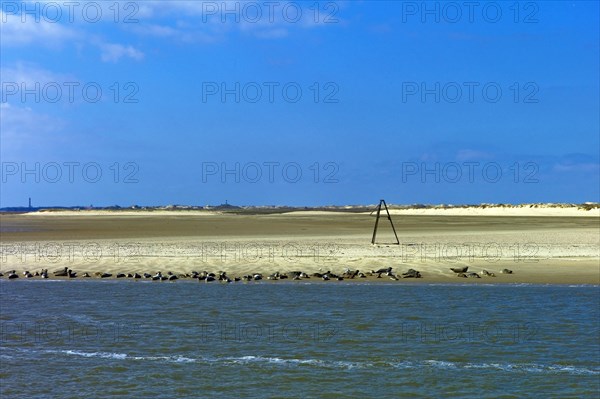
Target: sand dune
532	210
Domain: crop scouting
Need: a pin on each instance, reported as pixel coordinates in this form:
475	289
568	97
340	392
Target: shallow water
72	339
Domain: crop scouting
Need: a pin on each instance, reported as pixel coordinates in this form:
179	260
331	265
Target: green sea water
100	339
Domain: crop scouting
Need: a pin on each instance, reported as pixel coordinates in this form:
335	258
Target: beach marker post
381	201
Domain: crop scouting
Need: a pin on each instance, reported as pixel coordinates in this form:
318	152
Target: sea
101	339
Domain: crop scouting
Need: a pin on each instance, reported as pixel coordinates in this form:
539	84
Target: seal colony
222	276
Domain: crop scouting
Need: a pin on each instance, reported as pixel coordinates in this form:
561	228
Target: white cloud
16	32
157	30
22	32
113	52
23	130
183	32
211	21
181	21
30	74
587	167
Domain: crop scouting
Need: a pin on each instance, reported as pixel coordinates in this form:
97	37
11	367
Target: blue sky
299	103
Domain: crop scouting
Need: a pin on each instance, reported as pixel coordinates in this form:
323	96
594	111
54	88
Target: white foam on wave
523	367
440	364
582	286
334	364
103	355
124	356
170	359
340	364
407	364
275	360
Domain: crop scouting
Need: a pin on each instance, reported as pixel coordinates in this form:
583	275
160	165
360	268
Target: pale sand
540	245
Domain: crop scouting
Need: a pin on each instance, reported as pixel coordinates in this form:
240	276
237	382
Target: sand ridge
556	248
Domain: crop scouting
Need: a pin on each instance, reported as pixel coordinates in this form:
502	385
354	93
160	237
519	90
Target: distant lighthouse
29	202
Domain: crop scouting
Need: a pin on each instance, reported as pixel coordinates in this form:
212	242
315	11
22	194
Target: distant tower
29	202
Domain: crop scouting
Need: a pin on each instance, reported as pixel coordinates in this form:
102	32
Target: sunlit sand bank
539	244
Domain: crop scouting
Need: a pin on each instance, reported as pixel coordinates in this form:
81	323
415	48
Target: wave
344	364
523	367
124	356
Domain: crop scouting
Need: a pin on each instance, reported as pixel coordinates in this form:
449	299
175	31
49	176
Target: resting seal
62	272
411	273
381	271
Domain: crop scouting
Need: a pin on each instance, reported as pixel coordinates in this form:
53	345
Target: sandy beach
538	244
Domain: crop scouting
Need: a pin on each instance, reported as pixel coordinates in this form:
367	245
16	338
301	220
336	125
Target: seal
411	273
12	275
332	275
460	269
506	271
381	271
61	272
355	273
223	277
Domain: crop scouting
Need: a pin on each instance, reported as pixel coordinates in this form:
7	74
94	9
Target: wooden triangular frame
377	222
